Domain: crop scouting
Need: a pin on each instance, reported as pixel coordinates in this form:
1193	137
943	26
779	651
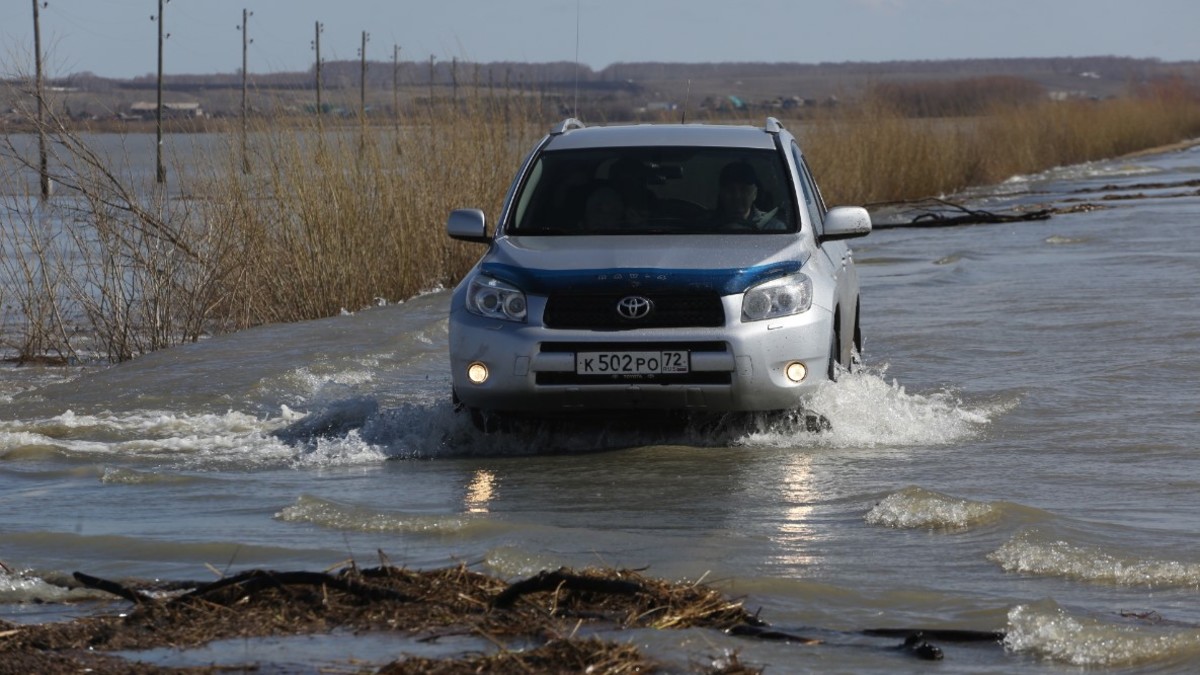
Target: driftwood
250	582
117	589
550	581
939	218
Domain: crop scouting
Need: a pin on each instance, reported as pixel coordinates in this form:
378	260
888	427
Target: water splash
865	410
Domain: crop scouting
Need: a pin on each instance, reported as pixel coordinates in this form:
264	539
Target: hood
726	264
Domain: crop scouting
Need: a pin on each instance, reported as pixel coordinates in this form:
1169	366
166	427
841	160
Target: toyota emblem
634	307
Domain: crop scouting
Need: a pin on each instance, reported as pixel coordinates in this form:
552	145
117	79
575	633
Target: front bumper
736	367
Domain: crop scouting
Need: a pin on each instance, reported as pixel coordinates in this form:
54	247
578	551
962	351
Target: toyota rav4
656	267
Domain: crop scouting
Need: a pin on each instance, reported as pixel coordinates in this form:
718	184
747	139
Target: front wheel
835	357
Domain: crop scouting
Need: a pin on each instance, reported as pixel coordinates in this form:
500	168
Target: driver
737	190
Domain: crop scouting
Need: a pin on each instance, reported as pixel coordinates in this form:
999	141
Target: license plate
631	363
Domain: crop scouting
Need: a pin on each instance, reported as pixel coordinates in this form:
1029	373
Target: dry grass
874	156
331	218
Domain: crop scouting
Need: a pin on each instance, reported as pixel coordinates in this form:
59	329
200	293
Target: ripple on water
333	515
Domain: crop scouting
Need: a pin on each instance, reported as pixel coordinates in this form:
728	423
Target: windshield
668	190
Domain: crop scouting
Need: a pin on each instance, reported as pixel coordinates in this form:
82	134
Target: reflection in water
795	533
480	492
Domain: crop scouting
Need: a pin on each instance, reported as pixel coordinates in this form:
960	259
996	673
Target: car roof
659	135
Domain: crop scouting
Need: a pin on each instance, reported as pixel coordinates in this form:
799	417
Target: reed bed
313	219
872	155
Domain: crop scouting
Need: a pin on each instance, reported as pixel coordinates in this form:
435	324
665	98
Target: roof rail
566	125
773	126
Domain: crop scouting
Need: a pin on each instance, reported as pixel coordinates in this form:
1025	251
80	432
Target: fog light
796	371
477	373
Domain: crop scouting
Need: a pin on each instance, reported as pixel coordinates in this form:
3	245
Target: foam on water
915	507
174	439
1050	632
1028	553
1085	171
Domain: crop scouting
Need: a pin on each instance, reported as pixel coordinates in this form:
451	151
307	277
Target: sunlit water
1019	454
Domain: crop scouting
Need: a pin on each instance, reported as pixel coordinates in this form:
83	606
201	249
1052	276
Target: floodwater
1019	454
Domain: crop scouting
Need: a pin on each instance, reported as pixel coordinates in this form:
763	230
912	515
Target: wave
1048	631
26	586
1029	553
915	507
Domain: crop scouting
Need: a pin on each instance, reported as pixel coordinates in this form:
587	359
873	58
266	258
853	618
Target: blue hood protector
723	281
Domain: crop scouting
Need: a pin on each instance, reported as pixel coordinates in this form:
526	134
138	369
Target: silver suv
684	267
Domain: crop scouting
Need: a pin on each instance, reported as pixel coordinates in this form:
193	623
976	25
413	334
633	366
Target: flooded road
1019	454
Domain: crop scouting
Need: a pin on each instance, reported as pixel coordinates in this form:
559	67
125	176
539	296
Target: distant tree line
514	74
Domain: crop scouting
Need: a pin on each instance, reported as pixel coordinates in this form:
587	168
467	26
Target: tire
484	422
856	350
835	356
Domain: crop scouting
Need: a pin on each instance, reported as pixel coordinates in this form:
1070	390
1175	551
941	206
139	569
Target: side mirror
468	225
846	222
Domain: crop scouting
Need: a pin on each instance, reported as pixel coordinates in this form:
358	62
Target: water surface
1019	454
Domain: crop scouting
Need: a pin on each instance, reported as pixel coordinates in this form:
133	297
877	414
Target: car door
837	254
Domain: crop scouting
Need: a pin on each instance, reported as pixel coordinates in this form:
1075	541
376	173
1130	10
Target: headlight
495	299
778	297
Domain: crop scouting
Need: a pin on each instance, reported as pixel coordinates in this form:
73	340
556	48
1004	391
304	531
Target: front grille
599	311
610	346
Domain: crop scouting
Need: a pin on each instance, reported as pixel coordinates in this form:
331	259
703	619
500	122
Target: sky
118	38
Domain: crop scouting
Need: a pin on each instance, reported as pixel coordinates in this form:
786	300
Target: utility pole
362	79
431	60
245	44
396	93
160	175
43	172
316	44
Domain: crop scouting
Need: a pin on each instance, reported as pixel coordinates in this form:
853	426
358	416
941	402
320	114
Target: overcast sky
116	38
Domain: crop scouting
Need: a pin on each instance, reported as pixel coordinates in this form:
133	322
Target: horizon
116	39
636	64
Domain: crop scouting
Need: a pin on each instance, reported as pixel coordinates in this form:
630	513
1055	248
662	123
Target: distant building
147	109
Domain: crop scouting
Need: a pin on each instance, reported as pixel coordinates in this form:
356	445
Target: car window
812	198
655	190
